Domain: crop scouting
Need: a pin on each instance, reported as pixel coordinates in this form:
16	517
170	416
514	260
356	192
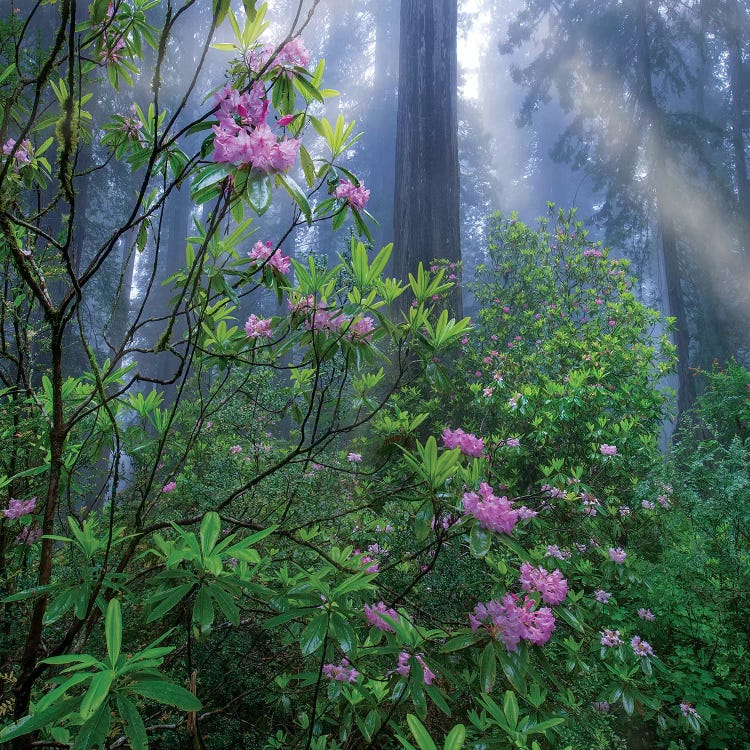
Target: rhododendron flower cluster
469	444
243	137
23	152
404	667
646	614
608	450
169	487
293	54
342	672
559	554
265	252
602	596
617	555
373	612
492	512
687	710
641	647
356	197
354	458
552	586
611	638
28	536
509	622
256	327
18	508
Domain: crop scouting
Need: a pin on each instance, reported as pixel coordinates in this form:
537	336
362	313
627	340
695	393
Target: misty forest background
550	104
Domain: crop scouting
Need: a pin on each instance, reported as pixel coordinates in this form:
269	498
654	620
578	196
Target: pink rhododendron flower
265	252
608	450
687	710
361	329
602	596
610	638
18	508
646	614
342	672
524	513
648	505
256	327
468	443
235	449
641	647
356	197
404	667
510	622
354	458
552	586
554	551
28	536
373	612
492	512
169	487
617	555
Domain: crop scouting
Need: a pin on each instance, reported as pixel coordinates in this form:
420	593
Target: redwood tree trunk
426	211
659	168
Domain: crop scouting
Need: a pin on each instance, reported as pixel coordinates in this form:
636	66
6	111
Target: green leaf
570	618
225	602
456	738
220	10
510	708
203	609
113	630
167	693
209	532
94	731
421	735
37	721
343	632
135	729
97	693
297	196
458	643
480	541
487	668
168	600
308	167
250	12
259	193
314	634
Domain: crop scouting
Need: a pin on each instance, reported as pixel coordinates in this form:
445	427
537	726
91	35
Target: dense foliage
334	526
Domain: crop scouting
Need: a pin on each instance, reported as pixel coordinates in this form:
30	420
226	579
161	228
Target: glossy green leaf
480	541
113	630
420	734
314	634
487	668
456	738
167	693
135	729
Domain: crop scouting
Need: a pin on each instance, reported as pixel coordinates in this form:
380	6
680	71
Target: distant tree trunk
380	126
427	196
659	168
738	87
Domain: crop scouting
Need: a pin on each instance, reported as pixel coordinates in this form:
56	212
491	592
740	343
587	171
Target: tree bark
427	196
653	123
738	85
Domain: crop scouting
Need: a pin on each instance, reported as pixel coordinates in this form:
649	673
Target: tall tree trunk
738	85
380	127
660	171
427	197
